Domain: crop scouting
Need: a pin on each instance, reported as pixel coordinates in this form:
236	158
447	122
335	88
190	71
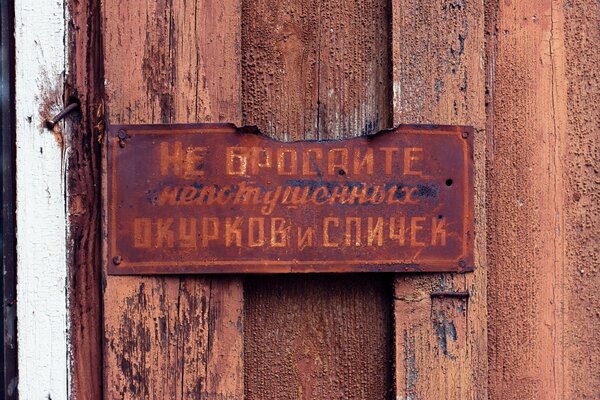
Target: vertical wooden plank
318	337
525	247
581	157
172	337
316	69
543	170
280	78
41	221
438	78
85	84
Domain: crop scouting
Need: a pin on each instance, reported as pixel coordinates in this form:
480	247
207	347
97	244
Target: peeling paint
41	221
50	103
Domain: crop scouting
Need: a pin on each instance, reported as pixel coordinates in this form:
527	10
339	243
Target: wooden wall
525	74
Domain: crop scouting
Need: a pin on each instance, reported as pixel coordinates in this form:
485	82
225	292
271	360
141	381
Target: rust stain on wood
49	106
85	81
209	198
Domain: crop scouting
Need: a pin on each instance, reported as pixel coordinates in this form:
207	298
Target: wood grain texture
438	77
544	170
42	313
318	337
317	70
85	84
173	337
526	140
581	155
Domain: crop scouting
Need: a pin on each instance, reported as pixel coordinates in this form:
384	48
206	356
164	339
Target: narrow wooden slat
315	69
438	78
42	313
85	83
581	155
172	337
527	137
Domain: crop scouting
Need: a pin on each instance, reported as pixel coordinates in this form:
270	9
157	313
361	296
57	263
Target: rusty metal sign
212	198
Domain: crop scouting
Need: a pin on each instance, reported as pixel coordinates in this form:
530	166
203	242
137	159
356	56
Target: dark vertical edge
491	42
390	93
84	84
9	374
392	364
391	309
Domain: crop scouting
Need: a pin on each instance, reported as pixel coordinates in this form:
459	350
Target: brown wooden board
317	70
211	198
172	337
440	340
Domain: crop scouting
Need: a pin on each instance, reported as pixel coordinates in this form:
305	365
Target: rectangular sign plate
212	198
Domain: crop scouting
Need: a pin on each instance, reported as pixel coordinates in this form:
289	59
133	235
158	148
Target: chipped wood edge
41	217
85	83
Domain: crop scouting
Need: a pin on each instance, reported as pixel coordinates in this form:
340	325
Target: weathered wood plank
317	70
41	221
318	337
173	337
524	208
581	158
438	78
85	84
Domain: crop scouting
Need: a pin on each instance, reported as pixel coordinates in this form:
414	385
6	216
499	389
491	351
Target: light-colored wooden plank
438	78
172	337
317	70
41	222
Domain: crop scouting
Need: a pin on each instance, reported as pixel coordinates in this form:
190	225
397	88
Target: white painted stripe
41	222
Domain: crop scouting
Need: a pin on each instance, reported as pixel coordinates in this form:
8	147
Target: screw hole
440	216
341	172
449	182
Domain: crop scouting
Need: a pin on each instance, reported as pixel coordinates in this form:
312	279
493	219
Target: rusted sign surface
211	198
